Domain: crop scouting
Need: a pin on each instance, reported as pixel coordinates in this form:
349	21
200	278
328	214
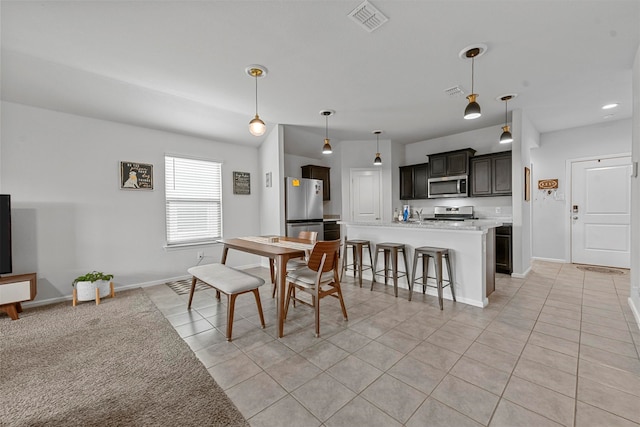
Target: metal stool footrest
357	265
438	254
391	250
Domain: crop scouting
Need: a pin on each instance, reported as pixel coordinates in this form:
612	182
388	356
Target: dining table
281	250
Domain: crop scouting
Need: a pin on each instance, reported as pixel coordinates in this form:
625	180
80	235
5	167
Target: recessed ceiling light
610	106
500	98
482	48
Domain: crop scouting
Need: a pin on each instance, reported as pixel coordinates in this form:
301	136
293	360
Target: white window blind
193	192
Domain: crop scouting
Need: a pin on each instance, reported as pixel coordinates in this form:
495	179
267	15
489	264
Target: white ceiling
180	65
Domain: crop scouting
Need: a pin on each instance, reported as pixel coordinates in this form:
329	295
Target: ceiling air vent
367	16
454	91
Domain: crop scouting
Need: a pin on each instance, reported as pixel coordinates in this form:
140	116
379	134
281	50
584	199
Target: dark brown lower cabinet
331	230
504	251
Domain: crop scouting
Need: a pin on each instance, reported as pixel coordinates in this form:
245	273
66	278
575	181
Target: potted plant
92	286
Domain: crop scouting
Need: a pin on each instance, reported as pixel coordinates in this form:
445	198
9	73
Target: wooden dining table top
267	249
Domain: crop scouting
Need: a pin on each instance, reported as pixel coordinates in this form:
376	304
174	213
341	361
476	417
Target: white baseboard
522	275
635	310
556	260
123	288
70	296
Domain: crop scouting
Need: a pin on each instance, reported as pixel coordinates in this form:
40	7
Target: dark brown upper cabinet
491	175
413	181
406	182
451	163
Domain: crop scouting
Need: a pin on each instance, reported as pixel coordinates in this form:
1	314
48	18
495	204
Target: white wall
551	216
293	164
70	216
526	137
271	160
634	299
397	159
334	206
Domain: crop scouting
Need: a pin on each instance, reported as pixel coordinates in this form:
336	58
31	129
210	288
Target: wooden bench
230	282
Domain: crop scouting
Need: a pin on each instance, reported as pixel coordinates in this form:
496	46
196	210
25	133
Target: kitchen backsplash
504	213
494	212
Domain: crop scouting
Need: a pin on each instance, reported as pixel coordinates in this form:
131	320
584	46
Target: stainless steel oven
448	186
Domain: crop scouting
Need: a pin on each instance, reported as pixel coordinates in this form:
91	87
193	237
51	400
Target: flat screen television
5	234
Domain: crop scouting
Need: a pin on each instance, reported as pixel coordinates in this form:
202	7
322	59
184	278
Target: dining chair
319	278
293	263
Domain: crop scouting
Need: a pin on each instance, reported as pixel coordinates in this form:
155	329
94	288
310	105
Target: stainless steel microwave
448	186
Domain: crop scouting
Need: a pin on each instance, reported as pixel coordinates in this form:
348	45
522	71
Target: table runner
283	243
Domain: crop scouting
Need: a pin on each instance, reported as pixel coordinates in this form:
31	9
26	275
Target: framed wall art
241	183
527	184
136	176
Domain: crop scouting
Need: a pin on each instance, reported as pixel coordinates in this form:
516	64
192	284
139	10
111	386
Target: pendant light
256	126
378	160
473	108
506	136
326	148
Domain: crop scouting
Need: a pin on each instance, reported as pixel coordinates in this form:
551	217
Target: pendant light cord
256	77
473	58
505	111
326	126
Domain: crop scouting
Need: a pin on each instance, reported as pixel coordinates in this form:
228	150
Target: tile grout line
511	374
578	370
575	401
495	318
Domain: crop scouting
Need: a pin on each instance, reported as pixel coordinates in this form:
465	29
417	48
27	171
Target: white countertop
479	224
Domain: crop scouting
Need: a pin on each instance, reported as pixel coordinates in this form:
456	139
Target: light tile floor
557	348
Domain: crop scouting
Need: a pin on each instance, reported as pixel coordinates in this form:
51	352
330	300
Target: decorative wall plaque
548	184
136	176
241	183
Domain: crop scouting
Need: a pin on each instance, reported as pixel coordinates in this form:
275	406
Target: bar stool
357	247
437	254
391	249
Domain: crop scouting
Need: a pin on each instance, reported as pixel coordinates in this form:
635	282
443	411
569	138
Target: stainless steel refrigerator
303	206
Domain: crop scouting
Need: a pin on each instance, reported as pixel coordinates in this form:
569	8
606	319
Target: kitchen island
471	247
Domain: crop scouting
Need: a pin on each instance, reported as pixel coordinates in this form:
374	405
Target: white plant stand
89	291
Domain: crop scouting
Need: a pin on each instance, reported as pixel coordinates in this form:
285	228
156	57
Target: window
193	192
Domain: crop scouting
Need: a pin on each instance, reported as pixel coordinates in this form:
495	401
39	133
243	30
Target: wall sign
241	183
548	184
136	176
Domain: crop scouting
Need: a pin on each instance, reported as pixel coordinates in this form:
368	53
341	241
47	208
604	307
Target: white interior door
365	195
601	212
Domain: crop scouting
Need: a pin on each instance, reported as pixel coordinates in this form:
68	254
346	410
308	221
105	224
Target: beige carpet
118	363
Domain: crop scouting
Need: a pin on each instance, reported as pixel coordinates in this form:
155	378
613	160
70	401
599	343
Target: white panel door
365	195
601	212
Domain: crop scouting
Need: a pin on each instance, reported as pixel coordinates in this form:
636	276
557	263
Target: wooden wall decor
527	184
548	184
